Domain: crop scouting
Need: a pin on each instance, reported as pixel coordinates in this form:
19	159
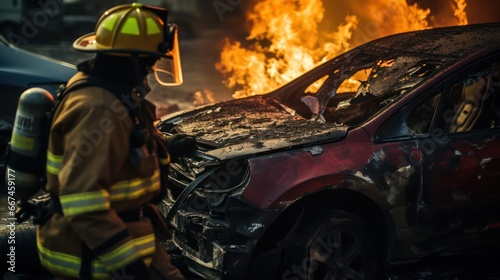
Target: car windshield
353	88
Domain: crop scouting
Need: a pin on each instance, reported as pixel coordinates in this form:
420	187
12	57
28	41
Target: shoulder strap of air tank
117	89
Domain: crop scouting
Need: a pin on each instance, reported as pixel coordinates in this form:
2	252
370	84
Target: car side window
473	101
415	120
420	117
470	102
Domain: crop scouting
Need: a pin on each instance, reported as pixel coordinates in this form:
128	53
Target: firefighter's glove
135	270
41	208
181	145
24	211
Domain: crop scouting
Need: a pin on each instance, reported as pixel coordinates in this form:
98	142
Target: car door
462	167
453	135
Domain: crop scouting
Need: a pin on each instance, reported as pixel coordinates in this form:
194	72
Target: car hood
249	126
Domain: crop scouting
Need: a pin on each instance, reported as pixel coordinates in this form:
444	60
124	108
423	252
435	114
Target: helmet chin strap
139	92
139	89
139	135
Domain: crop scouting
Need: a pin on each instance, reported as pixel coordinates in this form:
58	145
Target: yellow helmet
137	29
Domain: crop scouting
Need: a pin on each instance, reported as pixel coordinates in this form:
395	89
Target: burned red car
387	154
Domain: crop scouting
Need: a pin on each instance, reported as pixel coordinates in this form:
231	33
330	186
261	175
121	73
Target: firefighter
103	163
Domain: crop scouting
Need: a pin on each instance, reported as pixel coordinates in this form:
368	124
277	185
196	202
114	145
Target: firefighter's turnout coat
89	171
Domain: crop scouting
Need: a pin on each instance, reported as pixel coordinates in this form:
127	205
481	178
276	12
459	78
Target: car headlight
229	180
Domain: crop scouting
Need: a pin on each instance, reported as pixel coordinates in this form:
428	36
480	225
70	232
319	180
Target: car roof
453	42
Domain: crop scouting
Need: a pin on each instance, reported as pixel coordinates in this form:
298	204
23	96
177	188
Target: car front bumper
218	246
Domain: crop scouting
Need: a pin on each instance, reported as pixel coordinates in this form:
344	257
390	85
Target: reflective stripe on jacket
89	171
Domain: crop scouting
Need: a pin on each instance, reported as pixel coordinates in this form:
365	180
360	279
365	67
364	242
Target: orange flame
394	16
295	46
459	12
285	40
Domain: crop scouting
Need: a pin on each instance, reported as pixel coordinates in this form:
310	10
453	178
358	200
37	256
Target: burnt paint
461	178
281	179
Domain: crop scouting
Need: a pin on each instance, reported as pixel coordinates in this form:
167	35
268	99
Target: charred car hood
249	126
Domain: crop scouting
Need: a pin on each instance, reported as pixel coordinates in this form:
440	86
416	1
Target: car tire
331	245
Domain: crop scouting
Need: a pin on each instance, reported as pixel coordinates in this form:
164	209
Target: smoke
482	11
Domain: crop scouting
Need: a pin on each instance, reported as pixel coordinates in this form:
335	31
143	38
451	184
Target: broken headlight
228	180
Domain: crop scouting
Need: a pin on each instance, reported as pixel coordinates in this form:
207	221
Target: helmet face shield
168	70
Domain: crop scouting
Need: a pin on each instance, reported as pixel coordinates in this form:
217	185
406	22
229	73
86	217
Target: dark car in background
20	70
22	21
384	155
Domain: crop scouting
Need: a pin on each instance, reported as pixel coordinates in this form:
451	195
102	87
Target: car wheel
331	245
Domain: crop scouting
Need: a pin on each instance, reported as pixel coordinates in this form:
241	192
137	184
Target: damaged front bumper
218	245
